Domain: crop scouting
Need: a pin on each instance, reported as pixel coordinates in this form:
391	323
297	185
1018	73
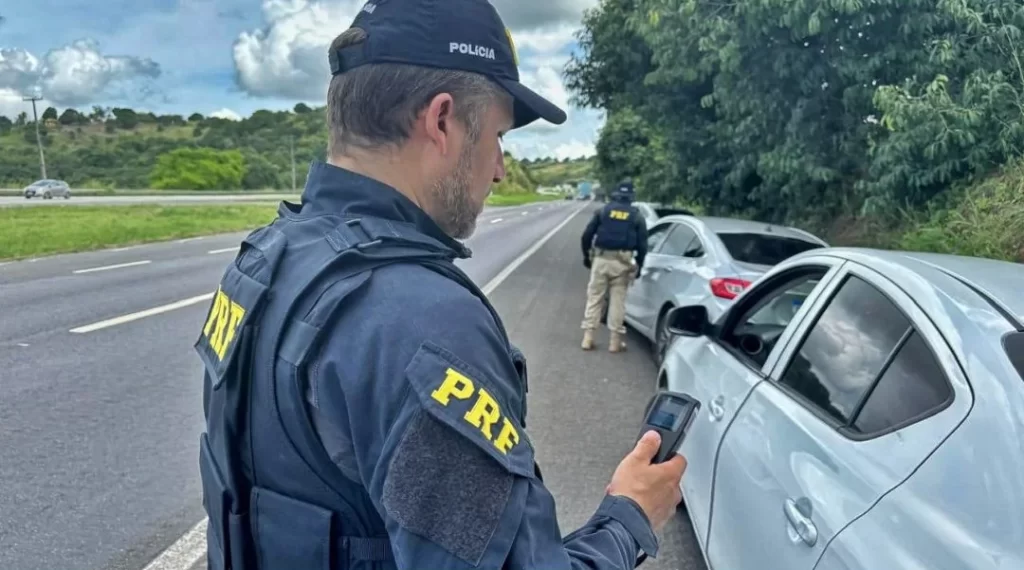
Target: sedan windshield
763	249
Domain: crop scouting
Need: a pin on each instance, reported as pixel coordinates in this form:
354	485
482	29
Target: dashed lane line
225	250
115	266
142	314
496	220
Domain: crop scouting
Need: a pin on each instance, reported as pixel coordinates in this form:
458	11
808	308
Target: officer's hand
586	262
655	487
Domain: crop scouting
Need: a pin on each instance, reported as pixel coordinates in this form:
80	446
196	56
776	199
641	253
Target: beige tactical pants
611	272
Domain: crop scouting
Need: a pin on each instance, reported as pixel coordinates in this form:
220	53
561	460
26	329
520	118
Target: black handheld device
670	414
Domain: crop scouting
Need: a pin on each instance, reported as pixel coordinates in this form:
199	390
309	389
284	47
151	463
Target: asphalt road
12	201
99	428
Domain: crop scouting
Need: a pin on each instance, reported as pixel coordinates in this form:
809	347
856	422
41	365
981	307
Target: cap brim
529	106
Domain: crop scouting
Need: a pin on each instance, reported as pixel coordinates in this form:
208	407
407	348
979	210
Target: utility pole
39	139
291	144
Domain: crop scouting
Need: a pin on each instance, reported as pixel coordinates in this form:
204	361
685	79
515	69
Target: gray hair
375	105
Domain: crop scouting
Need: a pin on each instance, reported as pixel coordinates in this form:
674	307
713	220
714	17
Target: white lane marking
142	314
126	248
186	240
184	553
496	220
526	213
187	550
22	344
116	266
493	283
3	263
225	250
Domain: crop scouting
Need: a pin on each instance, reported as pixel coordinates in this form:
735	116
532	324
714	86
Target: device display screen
669	414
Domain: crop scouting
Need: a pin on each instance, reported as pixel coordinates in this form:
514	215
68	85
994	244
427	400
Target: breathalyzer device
670	414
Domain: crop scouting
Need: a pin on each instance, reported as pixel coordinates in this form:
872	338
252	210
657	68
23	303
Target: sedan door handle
801	523
716	409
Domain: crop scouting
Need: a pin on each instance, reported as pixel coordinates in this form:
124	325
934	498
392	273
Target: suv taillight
727	287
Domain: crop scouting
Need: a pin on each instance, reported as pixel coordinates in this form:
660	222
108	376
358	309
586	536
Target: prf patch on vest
237	301
619	214
465	399
222	323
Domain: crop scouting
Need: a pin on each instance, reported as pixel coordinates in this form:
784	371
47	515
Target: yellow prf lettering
454	384
619	215
214	311
484	414
507	438
222	324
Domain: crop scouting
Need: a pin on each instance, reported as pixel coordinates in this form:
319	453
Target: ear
438	121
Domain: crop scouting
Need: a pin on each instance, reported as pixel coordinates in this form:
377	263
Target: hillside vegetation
552	172
125	149
895	123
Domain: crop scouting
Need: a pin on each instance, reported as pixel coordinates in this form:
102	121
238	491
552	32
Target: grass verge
29	232
519	199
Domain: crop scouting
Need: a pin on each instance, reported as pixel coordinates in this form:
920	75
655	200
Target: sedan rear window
662	212
764	249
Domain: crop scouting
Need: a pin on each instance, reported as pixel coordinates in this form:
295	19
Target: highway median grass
34	231
29	232
520	199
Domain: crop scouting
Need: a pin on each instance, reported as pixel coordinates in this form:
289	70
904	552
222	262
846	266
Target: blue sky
232	57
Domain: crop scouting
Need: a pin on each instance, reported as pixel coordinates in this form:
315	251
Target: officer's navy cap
465	35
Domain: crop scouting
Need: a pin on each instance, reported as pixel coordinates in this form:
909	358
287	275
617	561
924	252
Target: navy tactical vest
617	230
275	499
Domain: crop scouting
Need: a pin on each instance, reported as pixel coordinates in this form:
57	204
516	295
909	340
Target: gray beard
457	212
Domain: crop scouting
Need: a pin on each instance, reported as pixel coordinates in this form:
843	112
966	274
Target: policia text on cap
364	407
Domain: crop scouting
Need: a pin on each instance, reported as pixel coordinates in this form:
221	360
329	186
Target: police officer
614	233
364	406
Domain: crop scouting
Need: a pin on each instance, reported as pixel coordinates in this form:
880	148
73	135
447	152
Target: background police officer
614	233
364	406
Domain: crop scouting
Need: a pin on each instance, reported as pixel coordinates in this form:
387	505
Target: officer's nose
499	167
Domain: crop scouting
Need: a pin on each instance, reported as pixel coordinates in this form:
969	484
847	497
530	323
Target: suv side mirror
689	320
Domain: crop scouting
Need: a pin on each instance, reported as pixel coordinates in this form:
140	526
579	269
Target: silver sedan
707	260
876	426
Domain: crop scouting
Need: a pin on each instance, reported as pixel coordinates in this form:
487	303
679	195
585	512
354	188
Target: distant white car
861	410
48	189
704	260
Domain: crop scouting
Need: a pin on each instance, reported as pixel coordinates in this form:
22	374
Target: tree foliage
199	168
803	109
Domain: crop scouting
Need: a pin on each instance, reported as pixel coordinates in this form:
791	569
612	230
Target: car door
720	375
833	428
667	271
638	297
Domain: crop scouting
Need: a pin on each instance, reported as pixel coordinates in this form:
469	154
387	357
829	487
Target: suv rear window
764	249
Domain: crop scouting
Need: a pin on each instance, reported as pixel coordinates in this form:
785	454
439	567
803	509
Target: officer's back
364	405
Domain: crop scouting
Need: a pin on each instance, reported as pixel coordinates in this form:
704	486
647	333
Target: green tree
49	113
198	169
302	109
126	119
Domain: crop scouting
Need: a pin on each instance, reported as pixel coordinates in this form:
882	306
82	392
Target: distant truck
583	191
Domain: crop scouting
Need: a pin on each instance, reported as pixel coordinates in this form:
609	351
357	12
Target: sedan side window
656	237
763	317
695	249
864	365
677	241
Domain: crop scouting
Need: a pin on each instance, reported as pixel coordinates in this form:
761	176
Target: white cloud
226	113
287	59
575	149
75	74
